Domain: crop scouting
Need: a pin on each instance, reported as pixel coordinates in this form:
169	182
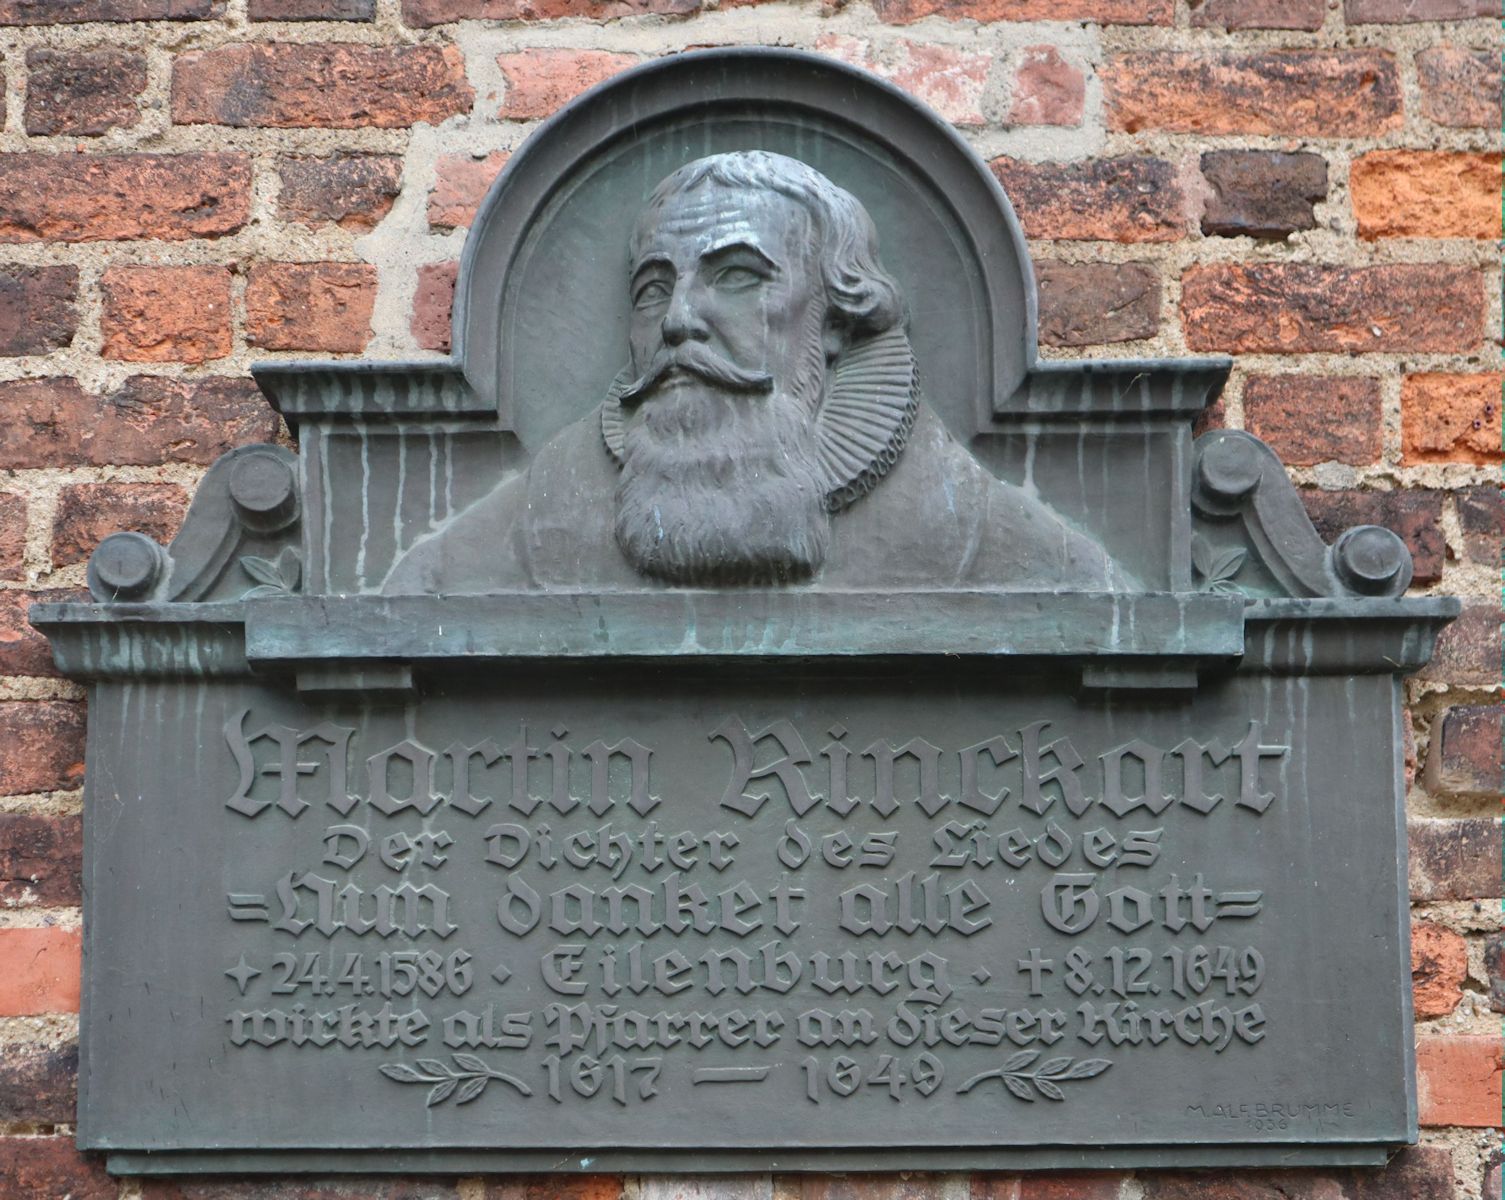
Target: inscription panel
756	911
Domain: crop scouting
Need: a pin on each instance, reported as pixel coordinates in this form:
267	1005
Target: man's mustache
697	359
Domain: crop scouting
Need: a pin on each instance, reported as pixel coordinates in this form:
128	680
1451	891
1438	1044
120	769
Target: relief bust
769	428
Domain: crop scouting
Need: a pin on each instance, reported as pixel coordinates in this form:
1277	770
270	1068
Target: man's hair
862	296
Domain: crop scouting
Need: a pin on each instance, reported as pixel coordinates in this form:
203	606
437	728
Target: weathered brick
1426	194
40	859
555	1187
113	197
1454	859
310	306
1414	513
1262	193
1130	199
148	421
993	1185
330	85
1258	14
50	1167
38	309
364	1187
438	12
1494	1180
433	305
1458	1080
1494	969
355	191
38	1084
39	973
1312	93
312	10
1451	418
1465	757
1395	12
1086	304
165	314
1048	90
88	512
1459	87
1416	1173
1072	1185
1309	419
870	1187
705	1187
41	747
1239	1185
23	650
1100	12
541	81
1439	962
1481	517
13	517
82	92
77	12
460	184
1305	308
1468	650
948	79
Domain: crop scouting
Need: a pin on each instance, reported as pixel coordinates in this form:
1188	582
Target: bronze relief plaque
745	711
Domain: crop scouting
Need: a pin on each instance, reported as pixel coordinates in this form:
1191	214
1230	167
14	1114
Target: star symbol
242	973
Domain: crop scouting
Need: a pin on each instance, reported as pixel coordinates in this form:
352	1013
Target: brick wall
1312	185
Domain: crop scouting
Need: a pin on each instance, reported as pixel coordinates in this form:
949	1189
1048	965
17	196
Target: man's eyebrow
739	242
651	260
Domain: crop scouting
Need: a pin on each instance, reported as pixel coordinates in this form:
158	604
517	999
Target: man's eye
651	293
737	279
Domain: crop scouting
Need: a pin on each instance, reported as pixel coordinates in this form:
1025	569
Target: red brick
1465	758
1426	194
113	197
1314	93
148	421
1259	14
310	306
39	973
1481	517
1072	1185
38	309
12	538
1416	1173
353	190
1048	90
460	184
1458	1080
1262	193
433	305
41	747
38	1084
1414	513
1305	308
49	1168
1086	304
994	1186
89	512
541	81
40	859
1439	962
1396	12
555	1187
77	12
1454	859
1451	418
23	650
1459	87
1309	419
1130	199
1101	12
1494	969
366	1187
312	10
438	12
82	92
165	314
1468	650
870	1187
949	80
1239	1185
329	85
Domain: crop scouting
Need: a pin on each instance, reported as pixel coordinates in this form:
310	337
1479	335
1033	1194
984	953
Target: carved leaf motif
1216	568
1018	1087
262	570
471	1089
277	577
1049	1090
469	1062
1017	1062
434	1067
439	1094
405	1074
1087	1068
1053	1067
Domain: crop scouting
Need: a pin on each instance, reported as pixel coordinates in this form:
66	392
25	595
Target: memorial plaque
745	711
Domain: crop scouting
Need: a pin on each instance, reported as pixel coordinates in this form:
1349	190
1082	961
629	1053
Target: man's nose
682	321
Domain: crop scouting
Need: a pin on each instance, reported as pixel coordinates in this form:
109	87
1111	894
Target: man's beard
721	480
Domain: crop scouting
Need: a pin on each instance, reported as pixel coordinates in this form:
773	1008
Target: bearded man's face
720	474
